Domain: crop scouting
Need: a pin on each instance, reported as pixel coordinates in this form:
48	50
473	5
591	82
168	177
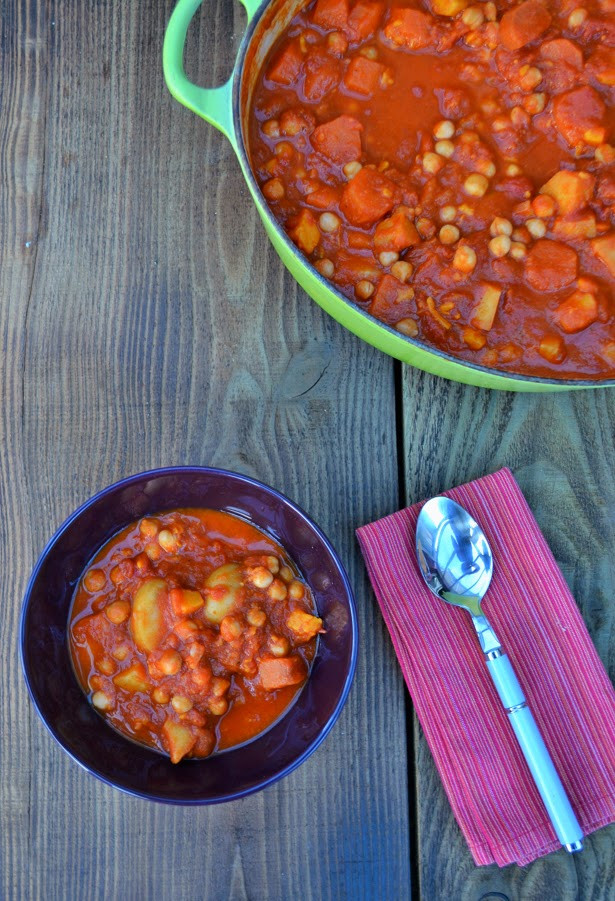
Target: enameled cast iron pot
227	108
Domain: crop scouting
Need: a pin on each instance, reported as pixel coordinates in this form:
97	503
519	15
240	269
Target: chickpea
464	259
296	590
448	213
486	168
161	696
500	123
605	153
351	169
499	247
536	228
491	12
577	18
279	645
476	185
195	654
425	227
94	580
102	701
388	257
218	706
284	149
106	666
473	17
500	226
543	206
369	52
170	662
535	103
517	250
364	289
168	541
444	129
181	704
407	326
449	234
445	148
286	573
326	268
530	77
122	572
402	270
219	686
274	189
118	612
513	169
256	617
273	564
432	163
260	577
277	590
329	222
153	552
201	676
121	652
271	128
230	628
148	528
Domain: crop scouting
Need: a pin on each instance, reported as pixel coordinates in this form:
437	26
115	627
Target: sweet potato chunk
286	65
277	672
363	76
396	233
180	739
577	312
571	190
364	19
550	266
134	678
523	23
331	13
146	620
484	312
448	7
224	583
411	28
304	625
604	248
579	115
368	197
322	75
339	140
392	301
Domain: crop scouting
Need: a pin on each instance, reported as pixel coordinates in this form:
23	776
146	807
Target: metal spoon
456	562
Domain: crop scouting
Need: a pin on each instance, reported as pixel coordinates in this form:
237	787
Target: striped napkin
535	617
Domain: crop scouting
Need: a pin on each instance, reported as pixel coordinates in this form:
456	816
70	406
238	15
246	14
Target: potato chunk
570	190
305	232
180	739
304	625
132	679
604	248
222	590
185	602
146	620
487	307
278	672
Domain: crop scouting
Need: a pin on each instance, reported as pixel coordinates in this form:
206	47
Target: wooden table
146	320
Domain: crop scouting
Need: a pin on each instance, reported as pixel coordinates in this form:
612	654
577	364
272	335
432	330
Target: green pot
225	107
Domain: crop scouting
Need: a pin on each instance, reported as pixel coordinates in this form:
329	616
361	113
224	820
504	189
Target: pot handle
212	104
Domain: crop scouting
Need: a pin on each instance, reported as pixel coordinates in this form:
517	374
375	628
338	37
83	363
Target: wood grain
147	321
561	449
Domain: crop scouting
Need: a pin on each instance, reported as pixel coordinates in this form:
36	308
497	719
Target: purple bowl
133	768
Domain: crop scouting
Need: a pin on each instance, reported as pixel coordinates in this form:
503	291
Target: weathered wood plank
561	449
162	329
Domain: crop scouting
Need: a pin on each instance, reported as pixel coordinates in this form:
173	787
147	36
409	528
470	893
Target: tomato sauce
192	632
448	167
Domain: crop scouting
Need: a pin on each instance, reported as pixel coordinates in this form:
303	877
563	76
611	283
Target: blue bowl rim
354	631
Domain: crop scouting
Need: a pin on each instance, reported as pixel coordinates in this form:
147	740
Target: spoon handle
538	759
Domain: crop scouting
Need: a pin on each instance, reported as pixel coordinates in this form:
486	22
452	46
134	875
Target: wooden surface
145	320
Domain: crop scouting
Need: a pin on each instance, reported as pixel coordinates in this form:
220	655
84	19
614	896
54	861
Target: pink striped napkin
535	617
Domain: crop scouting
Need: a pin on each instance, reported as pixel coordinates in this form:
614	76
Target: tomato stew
449	168
192	632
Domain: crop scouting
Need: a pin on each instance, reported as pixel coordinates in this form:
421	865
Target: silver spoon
456	562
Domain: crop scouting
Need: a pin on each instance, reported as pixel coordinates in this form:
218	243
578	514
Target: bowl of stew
189	635
439	175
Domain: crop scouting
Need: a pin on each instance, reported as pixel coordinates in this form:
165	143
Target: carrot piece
579	115
392	301
339	139
331	13
577	312
277	672
561	50
523	23
396	233
286	65
364	19
550	266
368	197
363	75
411	28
